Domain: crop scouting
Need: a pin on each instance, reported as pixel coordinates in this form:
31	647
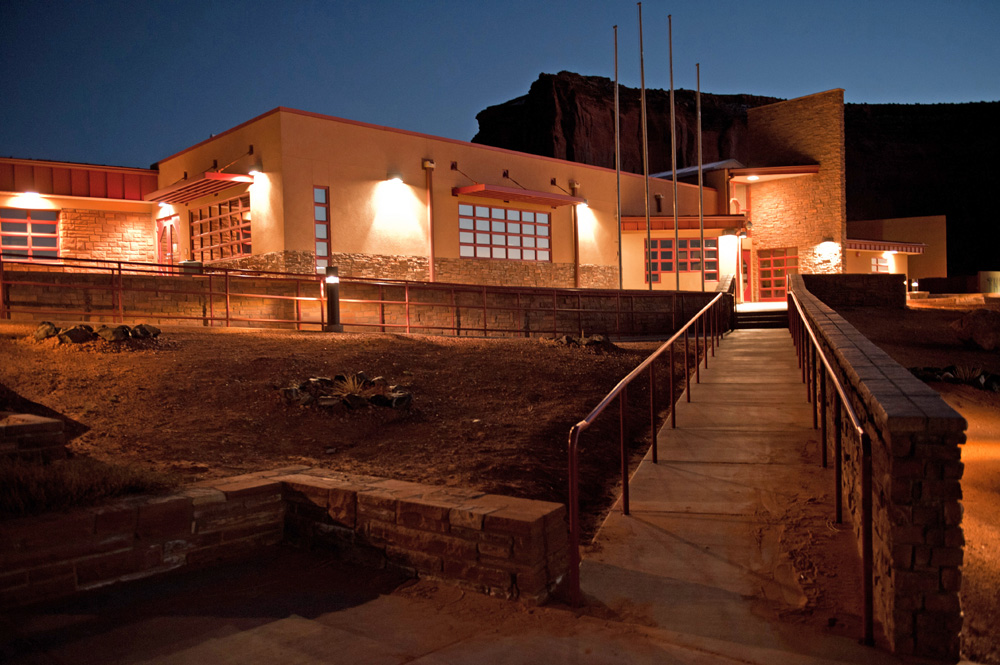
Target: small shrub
967	374
28	488
353	385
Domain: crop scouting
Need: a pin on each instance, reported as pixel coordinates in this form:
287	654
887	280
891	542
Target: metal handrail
802	334
619	392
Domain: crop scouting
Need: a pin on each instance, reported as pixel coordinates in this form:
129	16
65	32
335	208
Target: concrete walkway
699	555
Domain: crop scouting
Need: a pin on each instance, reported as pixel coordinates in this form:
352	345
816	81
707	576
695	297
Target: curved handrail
573	500
867	545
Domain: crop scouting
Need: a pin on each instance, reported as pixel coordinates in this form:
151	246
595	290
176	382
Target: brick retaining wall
499	545
916	481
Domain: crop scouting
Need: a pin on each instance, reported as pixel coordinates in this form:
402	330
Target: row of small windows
485	232
690	257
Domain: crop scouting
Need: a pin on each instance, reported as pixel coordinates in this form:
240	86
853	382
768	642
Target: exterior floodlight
332	281
163	204
255	172
394	176
753	178
427	164
828	239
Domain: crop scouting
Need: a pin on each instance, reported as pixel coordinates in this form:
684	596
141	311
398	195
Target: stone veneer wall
492	544
916	483
107	235
870	290
286	261
800	211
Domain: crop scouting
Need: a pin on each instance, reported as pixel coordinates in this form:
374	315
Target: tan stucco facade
930	231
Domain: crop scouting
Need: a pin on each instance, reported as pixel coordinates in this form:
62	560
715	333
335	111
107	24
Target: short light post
332	281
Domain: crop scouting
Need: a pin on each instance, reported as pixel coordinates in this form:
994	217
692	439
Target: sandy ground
922	338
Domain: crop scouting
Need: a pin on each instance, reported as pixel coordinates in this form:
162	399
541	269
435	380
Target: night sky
129	83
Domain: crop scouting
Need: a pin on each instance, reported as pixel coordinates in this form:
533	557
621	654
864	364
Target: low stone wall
31	437
916	483
850	290
34	293
503	546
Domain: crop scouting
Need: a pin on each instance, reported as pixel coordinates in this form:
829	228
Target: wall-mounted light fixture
659	202
753	178
427	164
394	176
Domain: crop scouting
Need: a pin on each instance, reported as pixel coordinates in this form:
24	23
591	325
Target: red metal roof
515	194
69	179
201	185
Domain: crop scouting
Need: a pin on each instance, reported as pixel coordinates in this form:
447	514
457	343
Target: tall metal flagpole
618	168
645	154
701	183
673	149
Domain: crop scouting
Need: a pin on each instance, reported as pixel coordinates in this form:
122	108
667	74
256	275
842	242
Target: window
486	232
690	256
321	220
32	233
880	264
221	230
775	265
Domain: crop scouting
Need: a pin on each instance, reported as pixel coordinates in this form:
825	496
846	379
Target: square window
465	209
320	213
514	215
543	243
528	229
499	227
514	241
499	213
499	253
319	194
14	227
529	255
482	211
14	213
466	251
482	252
513	254
499	240
465	223
482	238
466	237
482	225
543	256
513	228
527	217
321	231
45	215
529	242
321	249
542	217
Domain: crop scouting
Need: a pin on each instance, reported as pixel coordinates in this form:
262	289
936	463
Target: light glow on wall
399	216
586	224
31	201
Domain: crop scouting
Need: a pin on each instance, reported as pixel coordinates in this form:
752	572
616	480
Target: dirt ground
922	338
200	403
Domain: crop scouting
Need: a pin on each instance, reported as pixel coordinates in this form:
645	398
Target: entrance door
745	270
774	266
166	241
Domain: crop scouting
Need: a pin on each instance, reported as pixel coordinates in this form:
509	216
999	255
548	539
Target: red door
166	240
745	270
774	265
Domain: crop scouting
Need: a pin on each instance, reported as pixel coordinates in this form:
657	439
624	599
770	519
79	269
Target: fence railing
710	319
91	289
817	371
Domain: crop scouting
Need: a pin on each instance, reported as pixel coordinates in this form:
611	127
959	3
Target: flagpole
645	154
618	168
673	150
701	182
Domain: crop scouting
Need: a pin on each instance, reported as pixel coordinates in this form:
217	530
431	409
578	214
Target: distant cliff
903	160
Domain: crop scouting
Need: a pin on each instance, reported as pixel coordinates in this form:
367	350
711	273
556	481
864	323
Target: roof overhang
519	195
885	246
750	175
663	222
188	190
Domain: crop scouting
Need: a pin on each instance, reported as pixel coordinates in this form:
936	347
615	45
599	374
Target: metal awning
188	190
514	194
885	246
662	222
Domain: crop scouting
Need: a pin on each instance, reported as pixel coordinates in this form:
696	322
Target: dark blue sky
131	82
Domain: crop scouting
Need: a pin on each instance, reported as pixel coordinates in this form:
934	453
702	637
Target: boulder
45	330
76	335
145	331
116	334
979	328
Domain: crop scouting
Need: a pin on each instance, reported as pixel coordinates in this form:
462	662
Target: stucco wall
932	231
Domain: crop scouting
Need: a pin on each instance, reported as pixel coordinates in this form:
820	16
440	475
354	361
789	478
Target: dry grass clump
30	488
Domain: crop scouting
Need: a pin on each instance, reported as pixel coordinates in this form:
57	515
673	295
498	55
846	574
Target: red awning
885	246
514	194
188	190
661	222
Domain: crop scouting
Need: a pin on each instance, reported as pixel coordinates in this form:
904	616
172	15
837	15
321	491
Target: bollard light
332	280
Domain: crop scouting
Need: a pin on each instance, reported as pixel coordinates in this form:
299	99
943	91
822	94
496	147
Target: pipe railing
398	305
708	319
817	369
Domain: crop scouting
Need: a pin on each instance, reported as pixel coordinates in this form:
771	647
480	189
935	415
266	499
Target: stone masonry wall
870	290
801	211
107	235
916	486
200	298
503	546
